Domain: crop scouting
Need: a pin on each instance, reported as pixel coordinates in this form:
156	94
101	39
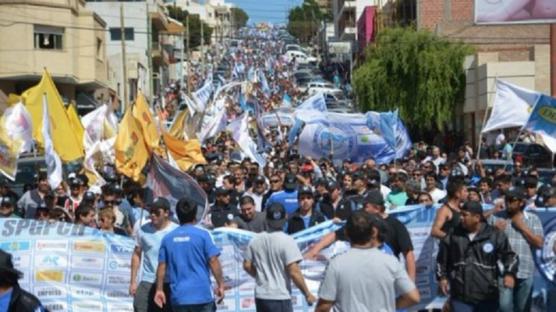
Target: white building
140	17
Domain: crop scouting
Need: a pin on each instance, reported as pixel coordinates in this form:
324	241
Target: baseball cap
358	175
290	183
160	203
305	190
276	216
89	196
259	179
515	193
374	197
222	191
6	201
332	185
474	207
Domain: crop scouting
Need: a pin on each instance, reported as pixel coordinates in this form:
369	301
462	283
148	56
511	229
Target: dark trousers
265	305
483	306
205	307
143	301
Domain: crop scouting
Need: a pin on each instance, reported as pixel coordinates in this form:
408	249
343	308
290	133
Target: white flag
240	132
93	123
19	126
53	162
511	108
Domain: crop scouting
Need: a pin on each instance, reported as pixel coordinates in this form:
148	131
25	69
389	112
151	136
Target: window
48	37
116	34
99	49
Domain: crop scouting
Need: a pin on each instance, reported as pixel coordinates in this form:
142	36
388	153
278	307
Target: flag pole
485	119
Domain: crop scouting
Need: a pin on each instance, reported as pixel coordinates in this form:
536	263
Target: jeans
517	299
483	306
204	307
143	301
266	305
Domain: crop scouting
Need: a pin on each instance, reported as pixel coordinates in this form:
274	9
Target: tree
239	17
304	20
194	26
417	72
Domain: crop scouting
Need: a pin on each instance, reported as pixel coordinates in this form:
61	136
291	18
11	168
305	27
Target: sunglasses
109	202
274	181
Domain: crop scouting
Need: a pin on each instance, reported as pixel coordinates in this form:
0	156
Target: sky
273	11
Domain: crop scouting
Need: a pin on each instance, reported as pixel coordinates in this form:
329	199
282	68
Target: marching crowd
176	256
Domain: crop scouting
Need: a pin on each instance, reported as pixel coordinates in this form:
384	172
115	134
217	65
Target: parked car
533	154
300	57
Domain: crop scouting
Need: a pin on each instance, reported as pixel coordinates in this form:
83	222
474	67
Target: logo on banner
86	278
121	250
44	245
87	262
49	276
15	246
50	261
88	246
49	292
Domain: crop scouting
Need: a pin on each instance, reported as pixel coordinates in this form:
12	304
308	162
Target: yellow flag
145	119
75	122
176	130
66	142
9	153
131	151
185	153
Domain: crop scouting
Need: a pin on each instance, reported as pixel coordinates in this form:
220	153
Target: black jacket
22	301
470	266
296	224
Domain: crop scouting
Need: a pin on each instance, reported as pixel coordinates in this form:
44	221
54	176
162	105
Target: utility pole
188	52
124	60
202	47
149	52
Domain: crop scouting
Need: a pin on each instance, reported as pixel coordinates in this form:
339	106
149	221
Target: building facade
62	36
515	53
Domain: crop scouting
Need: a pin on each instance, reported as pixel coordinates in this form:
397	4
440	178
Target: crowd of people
176	256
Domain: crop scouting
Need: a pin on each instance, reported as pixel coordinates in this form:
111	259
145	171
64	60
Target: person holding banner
185	257
467	260
365	277
147	244
272	258
525	233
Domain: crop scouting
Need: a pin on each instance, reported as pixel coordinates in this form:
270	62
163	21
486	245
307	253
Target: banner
315	102
342	136
70	267
515	12
66	265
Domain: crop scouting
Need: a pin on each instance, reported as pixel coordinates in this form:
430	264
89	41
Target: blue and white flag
286	101
543	117
392	129
264	83
315	102
240	132
202	96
